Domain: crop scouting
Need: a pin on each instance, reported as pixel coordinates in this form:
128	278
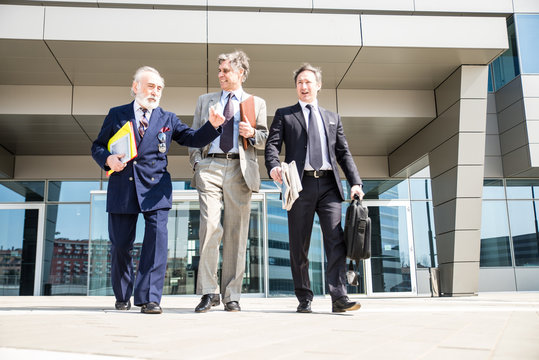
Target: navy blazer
289	126
144	184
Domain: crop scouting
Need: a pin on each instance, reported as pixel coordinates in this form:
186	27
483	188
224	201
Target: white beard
149	102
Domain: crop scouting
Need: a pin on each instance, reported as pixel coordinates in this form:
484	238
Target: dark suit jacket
289	127
144	184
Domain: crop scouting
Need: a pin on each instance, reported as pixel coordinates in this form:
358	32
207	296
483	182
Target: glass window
495	248
493	189
18	243
66	249
385	189
181	185
424	234
524	221
490	85
71	191
280	275
420	189
522	189
22	191
505	67
390	260
527	30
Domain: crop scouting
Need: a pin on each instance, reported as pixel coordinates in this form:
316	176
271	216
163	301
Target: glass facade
510	223
527	28
505	68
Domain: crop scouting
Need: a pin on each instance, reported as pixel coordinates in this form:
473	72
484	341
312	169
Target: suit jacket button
153	179
134	163
130	178
153	162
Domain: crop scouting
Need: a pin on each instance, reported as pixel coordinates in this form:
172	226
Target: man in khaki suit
226	174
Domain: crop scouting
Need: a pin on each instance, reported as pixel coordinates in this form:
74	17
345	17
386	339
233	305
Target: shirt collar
304	104
138	108
237	93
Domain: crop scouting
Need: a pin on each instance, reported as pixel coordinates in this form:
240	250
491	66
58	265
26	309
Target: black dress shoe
343	304
232	306
304	306
206	302
151	308
120	305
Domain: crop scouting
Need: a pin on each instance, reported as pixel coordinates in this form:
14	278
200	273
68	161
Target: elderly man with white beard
143	185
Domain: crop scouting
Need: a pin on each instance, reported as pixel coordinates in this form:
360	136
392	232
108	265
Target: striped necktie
143	124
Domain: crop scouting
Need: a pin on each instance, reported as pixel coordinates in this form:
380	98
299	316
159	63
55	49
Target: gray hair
308	67
142	70
238	60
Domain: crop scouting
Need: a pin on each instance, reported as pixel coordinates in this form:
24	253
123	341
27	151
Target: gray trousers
220	183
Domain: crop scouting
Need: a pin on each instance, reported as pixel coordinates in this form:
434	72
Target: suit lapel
129	114
155	125
298	113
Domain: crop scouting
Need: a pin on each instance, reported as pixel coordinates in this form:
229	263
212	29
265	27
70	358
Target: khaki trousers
220	184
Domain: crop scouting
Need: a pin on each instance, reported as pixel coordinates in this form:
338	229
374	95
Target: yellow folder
123	142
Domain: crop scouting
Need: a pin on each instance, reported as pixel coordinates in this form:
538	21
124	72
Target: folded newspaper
291	184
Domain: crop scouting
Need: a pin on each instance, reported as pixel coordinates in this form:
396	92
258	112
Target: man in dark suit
143	185
314	139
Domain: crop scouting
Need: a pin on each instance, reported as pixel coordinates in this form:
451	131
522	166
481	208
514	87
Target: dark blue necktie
315	148
227	137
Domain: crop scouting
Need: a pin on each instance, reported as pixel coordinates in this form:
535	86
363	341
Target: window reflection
493	189
385	189
420	189
524	221
495	248
21	191
522	189
18	242
424	234
66	249
527	29
71	191
505	67
280	275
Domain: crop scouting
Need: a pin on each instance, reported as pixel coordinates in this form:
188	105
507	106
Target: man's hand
246	130
216	119
357	190
114	162
277	174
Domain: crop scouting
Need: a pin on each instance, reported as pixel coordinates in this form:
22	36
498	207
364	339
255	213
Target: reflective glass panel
527	30
524	221
280	275
495	248
490	84
493	189
424	234
22	191
390	259
65	265
183	249
385	189
18	243
420	189
181	185
71	191
505	67
522	189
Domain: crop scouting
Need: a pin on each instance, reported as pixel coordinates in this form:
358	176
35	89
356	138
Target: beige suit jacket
248	159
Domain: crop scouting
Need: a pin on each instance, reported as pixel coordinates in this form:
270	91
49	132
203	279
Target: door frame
411	252
40	241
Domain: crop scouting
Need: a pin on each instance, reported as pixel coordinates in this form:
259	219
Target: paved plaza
487	326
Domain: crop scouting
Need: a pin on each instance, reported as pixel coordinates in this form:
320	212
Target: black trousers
321	196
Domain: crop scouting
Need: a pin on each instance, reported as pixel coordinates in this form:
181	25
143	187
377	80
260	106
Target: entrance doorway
21	249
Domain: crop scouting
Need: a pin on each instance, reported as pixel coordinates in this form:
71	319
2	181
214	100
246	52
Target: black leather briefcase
357	231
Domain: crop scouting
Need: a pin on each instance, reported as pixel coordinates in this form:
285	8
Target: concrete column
456	168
